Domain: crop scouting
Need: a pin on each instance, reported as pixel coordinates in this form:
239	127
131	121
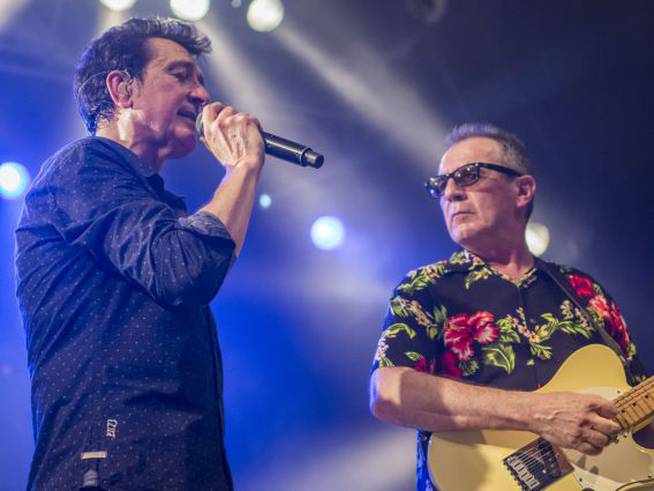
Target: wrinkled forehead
473	149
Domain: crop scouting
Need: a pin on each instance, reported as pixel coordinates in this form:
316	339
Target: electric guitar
495	460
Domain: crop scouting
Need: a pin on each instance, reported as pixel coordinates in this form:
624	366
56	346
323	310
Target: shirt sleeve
606	313
102	205
409	330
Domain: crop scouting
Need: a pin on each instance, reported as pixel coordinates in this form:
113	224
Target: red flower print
613	319
582	286
450	365
461	330
421	366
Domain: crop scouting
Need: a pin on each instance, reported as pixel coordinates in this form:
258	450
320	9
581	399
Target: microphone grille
199	126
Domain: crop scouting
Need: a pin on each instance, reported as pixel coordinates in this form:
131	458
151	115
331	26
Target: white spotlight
265	201
327	233
265	15
538	238
192	10
14	179
118	5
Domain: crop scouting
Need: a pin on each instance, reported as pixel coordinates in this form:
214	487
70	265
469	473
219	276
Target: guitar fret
636	405
648	401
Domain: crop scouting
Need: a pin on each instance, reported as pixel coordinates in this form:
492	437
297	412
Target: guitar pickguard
619	463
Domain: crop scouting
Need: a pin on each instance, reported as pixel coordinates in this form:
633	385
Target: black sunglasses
465	175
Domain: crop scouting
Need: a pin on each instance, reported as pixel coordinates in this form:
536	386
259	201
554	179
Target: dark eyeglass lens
439	184
466	176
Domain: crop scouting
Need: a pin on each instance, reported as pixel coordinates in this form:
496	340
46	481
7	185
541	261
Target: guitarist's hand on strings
578	421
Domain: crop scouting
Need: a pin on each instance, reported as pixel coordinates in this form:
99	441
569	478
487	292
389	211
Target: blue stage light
14	179
265	15
327	233
191	10
265	201
118	5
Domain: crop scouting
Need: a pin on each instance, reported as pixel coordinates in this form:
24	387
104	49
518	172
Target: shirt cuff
209	225
205	223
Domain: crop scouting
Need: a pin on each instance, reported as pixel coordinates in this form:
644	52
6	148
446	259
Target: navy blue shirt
114	278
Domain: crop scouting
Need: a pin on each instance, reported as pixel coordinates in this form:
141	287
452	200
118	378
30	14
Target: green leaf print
459	257
413	356
545	331
480	274
508	334
500	355
394	329
631	350
399	307
540	351
385	362
469	367
566	326
422	278
569	327
440	315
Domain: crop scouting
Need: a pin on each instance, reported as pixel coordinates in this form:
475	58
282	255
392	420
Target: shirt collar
139	166
464	260
144	170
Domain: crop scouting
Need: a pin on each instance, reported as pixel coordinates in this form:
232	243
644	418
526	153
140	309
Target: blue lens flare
327	233
14	179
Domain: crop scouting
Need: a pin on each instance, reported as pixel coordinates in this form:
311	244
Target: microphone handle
291	151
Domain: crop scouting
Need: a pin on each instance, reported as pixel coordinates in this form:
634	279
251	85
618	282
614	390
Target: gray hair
513	149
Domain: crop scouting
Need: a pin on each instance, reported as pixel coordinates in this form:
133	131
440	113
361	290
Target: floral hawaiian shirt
461	318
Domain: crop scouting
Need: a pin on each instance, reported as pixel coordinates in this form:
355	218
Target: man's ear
118	85
526	186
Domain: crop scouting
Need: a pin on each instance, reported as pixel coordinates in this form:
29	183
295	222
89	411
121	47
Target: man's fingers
596	438
604	425
210	111
607	410
225	113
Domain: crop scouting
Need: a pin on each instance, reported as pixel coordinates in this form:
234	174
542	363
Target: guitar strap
557	276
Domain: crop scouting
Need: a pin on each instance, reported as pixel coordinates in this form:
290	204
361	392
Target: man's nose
200	94
452	191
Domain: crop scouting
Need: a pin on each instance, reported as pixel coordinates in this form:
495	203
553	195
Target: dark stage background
375	88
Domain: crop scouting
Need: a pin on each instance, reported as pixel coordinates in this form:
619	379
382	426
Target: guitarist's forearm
409	398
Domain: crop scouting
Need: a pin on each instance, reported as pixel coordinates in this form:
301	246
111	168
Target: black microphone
279	147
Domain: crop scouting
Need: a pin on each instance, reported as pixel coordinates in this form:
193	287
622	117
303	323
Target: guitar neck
636	407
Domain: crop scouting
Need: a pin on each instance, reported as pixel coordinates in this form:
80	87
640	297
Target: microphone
279	147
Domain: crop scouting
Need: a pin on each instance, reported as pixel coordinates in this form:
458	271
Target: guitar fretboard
636	407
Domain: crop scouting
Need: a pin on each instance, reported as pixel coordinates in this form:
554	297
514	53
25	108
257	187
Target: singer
114	276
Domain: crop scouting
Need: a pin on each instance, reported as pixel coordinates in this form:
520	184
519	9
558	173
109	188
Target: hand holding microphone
228	143
233	138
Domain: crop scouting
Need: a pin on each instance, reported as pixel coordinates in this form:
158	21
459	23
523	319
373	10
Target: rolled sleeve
408	332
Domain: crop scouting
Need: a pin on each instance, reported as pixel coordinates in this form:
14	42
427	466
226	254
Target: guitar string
533	457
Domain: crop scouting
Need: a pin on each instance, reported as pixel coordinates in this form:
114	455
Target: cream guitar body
492	460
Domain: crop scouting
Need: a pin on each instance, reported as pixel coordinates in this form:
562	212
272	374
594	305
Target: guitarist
492	315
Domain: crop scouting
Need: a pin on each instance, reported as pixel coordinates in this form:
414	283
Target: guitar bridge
537	465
